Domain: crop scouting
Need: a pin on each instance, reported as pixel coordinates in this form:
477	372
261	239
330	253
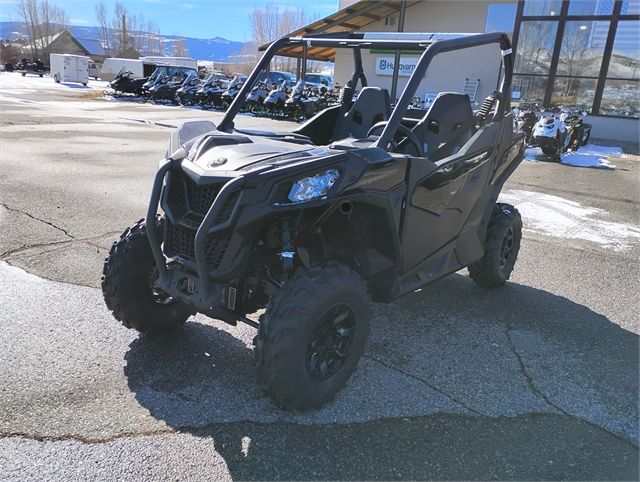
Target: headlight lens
313	187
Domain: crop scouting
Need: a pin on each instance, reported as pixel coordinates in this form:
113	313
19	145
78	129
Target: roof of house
91	46
353	17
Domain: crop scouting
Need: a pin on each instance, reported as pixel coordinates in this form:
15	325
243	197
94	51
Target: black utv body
362	202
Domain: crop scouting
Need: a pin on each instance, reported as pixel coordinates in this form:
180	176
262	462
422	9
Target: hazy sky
191	18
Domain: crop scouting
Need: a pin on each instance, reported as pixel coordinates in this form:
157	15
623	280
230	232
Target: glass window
535	47
501	17
574	92
591	7
630	7
542	7
621	97
582	48
528	89
625	58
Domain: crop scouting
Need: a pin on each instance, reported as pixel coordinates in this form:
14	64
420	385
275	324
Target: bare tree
269	23
152	39
179	47
42	20
28	12
9	53
53	20
103	24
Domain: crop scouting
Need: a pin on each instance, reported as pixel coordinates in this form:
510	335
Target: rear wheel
312	336
129	286
501	248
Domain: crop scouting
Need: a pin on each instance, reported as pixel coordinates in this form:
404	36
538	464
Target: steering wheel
409	136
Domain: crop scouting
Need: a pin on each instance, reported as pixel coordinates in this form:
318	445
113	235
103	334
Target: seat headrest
449	114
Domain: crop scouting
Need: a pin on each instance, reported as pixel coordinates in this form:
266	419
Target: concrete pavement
537	380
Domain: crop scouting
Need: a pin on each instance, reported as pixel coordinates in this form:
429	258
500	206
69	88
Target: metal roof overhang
350	18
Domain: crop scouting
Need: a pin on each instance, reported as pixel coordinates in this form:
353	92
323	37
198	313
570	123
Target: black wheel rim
154	293
507	248
330	343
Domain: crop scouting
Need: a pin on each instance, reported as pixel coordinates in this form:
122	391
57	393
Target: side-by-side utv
364	201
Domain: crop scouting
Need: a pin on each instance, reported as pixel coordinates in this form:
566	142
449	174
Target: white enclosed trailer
142	67
69	68
113	65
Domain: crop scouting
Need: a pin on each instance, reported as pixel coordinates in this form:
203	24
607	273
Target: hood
241	153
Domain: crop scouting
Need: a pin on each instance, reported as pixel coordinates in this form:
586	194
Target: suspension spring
287	253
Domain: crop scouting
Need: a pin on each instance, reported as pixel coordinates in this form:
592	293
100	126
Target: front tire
312	336
501	248
129	273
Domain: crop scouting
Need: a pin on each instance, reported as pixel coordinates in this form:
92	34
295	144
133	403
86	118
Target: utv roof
323	46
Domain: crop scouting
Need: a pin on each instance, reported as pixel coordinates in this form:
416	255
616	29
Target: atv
360	203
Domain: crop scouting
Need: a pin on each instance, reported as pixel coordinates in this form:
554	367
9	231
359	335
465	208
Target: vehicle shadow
518	384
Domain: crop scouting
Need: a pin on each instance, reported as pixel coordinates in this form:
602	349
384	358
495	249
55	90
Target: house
65	43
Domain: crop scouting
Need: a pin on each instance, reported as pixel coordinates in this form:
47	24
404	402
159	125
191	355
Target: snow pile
563	218
591	155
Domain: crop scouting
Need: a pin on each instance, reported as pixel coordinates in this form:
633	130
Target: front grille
181	242
189	204
189	200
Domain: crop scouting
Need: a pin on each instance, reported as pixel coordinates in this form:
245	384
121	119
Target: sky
191	18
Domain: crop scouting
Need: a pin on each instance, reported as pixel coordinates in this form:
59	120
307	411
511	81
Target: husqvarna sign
384	65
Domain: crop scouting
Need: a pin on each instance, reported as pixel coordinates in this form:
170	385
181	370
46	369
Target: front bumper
188	276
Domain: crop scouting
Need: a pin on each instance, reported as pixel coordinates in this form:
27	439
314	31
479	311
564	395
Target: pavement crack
539	393
25	247
425	382
62	230
527	376
84	439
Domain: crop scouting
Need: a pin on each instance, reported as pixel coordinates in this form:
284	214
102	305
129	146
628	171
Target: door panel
440	203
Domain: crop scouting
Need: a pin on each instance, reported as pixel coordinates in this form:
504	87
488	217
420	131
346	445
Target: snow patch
591	155
563	218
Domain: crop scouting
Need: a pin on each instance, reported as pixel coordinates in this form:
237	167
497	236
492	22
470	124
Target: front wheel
312	336
501	248
129	286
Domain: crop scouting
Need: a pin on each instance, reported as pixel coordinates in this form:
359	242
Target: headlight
313	187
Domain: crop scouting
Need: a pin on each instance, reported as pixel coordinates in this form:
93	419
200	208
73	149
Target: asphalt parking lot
536	380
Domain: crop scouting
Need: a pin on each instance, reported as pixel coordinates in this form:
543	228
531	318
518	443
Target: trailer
69	68
142	67
113	65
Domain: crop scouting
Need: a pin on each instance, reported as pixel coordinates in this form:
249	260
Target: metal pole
396	62
303	74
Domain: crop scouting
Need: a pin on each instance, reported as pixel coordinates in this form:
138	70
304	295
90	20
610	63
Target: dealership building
574	53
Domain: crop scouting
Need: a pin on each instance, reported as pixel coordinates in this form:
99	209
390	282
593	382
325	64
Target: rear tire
312	336
127	286
501	248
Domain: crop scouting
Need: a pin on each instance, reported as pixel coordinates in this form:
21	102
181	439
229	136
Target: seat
447	126
371	106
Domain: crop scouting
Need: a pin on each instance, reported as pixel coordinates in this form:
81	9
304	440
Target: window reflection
535	47
542	7
574	92
582	48
591	7
625	58
621	97
528	89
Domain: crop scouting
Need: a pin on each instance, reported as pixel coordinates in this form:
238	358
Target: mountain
217	49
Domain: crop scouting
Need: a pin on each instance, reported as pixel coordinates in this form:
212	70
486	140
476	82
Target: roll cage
431	44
